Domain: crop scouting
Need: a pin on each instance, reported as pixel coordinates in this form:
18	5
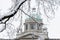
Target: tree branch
9	16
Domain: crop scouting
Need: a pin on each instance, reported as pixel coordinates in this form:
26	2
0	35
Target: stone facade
33	30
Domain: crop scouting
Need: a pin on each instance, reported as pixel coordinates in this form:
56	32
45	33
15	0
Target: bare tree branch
15	11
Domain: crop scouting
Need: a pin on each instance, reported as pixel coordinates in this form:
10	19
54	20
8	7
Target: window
38	26
26	26
32	26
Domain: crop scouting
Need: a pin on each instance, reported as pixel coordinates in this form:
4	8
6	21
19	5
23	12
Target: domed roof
36	17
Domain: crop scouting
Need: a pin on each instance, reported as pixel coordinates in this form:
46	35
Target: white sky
5	4
53	27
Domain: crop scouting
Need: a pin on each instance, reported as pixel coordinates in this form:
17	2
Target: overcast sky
53	27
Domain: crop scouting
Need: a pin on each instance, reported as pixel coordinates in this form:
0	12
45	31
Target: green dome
38	19
35	16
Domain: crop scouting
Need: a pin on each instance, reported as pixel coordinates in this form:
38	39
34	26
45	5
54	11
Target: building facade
33	29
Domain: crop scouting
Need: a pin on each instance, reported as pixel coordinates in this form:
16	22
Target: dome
36	17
